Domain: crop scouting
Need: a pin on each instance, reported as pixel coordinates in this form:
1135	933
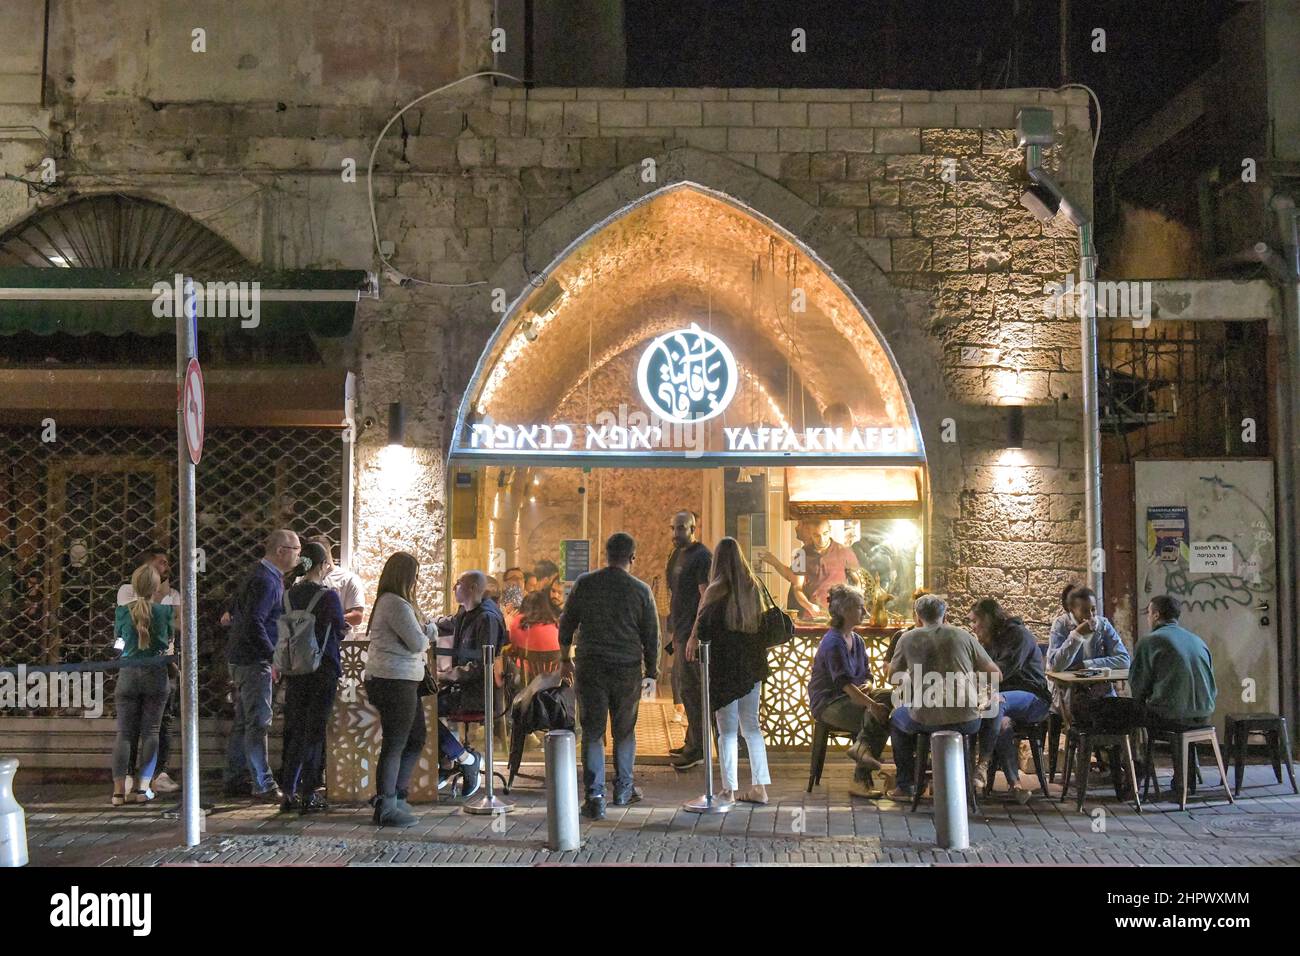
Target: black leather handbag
775	626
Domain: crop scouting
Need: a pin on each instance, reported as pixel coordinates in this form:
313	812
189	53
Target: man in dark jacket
250	646
688	568
479	622
617	623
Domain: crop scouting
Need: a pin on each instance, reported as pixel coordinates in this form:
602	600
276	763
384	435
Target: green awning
117	302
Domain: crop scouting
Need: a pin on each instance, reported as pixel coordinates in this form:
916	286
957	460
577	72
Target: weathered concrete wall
953	273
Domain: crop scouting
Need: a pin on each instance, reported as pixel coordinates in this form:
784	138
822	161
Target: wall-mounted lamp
396	425
1015	426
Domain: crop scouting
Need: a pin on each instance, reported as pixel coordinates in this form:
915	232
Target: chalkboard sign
575	557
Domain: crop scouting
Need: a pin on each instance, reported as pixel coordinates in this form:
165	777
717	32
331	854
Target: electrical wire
370	189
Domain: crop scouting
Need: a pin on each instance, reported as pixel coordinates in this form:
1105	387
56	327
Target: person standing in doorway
687	576
167	596
615	619
249	651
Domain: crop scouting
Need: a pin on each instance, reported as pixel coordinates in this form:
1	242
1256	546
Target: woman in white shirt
395	664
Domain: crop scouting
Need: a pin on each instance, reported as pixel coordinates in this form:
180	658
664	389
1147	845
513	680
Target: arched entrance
687	352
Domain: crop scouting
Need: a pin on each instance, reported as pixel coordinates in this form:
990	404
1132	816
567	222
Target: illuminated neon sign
687	376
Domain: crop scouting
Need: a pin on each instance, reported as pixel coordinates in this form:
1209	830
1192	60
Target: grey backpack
296	648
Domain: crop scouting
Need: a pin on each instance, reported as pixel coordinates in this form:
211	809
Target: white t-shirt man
351	594
126	594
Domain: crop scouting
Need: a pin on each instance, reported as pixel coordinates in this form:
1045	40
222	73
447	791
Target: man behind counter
822	562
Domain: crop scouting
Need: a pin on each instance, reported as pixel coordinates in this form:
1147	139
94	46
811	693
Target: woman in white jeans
728	622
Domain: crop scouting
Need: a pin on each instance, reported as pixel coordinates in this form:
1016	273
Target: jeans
1018	707
741	716
308	701
164	736
401	721
247	750
607	693
449	748
903	733
843	714
141	696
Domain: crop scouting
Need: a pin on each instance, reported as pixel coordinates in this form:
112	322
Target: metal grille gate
75	513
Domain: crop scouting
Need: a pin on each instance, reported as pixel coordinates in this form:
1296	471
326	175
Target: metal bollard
707	802
13	822
949	761
489	802
562	830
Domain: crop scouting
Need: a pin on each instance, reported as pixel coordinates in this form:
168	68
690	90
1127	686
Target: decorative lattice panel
783	711
76	513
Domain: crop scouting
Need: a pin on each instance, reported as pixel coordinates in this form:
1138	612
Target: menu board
575	557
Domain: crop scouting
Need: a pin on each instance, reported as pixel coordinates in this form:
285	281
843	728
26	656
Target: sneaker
594	808
687	761
628	797
272	794
900	795
861	754
1022	796
471	775
165	784
289	804
860	788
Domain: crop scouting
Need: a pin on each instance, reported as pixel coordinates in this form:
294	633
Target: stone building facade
909	198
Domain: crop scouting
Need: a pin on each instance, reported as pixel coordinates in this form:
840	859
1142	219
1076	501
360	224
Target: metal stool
1054	728
1179	743
1081	743
1034	734
923	761
821	732
1236	732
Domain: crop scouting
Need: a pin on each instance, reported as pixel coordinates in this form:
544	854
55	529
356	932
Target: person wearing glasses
254	614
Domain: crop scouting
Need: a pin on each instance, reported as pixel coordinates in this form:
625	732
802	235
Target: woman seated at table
1092	643
1025	696
535	633
840	692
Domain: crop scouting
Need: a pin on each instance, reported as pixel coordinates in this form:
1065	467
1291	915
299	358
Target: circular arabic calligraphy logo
687	376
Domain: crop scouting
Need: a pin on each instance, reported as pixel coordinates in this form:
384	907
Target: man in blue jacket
250	647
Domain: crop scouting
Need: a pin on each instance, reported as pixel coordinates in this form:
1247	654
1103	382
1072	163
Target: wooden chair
1179	742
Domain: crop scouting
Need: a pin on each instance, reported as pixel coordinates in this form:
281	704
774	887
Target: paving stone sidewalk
72	825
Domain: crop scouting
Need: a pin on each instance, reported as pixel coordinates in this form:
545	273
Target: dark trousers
164	736
690	689
141	696
610	693
401	721
308	701
1106	715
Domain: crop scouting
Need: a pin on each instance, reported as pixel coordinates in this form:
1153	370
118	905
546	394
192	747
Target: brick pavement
74	825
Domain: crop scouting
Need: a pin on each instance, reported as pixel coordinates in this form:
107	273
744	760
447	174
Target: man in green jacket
1172	673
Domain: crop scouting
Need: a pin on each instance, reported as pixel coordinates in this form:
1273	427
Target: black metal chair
1034	734
1081	743
822	732
1236	734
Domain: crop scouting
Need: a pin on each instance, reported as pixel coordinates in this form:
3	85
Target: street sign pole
187	349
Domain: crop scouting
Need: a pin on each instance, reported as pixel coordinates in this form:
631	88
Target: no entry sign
193	407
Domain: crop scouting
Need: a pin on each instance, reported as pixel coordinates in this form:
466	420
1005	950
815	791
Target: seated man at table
840	692
936	688
1172	677
1092	643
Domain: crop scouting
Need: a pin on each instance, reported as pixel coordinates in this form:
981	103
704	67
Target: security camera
397	278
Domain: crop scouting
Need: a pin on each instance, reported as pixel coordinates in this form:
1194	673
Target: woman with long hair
145	629
309	698
728	621
1026	697
399	636
535	632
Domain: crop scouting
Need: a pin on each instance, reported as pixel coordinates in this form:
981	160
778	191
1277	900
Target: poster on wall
575	558
1167	533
